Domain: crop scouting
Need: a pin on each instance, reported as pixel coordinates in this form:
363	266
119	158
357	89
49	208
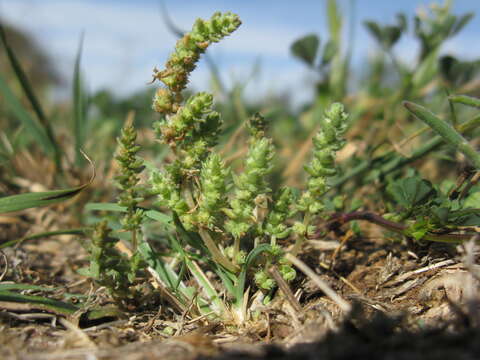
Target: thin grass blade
240	286
28	89
13	301
36	199
79	106
33	127
79	231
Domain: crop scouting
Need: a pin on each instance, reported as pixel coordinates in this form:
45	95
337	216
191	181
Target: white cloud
124	41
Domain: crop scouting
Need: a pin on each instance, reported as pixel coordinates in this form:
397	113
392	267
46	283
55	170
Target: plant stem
215	252
445	130
339	219
392	161
236	246
134	241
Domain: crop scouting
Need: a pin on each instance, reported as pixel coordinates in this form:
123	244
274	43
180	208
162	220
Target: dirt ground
408	302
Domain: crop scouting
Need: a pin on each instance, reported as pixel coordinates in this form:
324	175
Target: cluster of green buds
322	166
195	120
264	281
189	48
195	185
276	222
109	267
130	168
213	191
191	130
250	202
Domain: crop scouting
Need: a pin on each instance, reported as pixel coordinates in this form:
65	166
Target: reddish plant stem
339	219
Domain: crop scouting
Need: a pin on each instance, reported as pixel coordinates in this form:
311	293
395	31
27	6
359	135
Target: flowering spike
322	166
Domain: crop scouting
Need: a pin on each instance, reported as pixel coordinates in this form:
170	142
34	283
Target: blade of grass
79	231
151	214
79	106
170	279
36	199
31	200
240	285
28	89
32	126
45	289
166	274
13	301
8	287
206	285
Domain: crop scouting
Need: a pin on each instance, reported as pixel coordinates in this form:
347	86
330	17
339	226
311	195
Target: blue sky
125	39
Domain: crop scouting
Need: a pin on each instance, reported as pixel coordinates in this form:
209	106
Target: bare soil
409	302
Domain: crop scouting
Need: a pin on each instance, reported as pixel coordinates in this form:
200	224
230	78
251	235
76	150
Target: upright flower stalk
195	185
130	167
237	218
321	168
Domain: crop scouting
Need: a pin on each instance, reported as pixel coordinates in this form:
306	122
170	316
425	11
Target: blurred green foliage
385	141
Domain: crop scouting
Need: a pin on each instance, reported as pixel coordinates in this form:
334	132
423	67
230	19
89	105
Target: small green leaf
462	21
426	71
306	48
411	192
375	30
329	51
151	214
387	35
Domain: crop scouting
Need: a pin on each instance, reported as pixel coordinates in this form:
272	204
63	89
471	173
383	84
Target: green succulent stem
446	131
